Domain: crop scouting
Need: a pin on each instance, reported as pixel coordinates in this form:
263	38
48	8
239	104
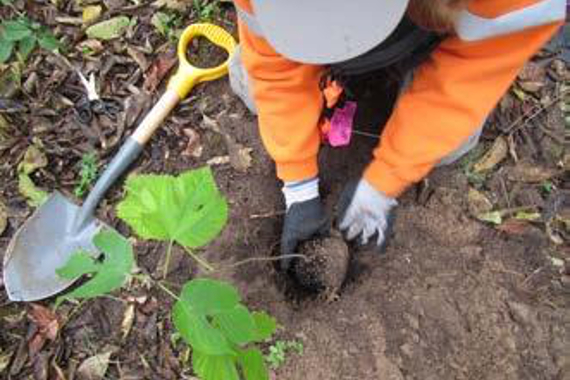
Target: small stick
269	214
262	259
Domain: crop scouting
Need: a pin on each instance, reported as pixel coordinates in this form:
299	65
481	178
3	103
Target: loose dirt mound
326	265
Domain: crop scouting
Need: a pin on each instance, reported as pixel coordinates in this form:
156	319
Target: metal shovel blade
43	244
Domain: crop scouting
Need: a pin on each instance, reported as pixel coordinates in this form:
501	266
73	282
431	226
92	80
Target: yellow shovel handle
187	75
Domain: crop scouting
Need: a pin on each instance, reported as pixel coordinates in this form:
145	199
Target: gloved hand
305	216
364	212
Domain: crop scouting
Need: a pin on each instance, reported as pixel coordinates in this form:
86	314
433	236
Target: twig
165	289
530	115
551	134
200	261
269	214
167	259
261	259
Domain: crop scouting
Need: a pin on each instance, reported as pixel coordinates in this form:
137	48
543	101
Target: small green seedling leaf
109	274
212	367
187	209
253	365
26	46
16	30
109	29
49	42
6	48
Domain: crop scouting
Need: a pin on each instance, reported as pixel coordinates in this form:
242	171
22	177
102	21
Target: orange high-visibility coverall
448	100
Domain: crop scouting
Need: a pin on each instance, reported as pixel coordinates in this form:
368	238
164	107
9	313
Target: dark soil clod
325	268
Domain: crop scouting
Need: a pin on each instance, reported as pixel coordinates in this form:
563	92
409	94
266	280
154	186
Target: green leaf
253	365
109	274
494	217
109	29
214	367
35	196
16	30
197	331
26	46
237	325
206	296
530	216
5	49
265	325
49	42
187	209
79	264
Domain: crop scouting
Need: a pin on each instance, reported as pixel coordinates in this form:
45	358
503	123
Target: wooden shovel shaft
155	117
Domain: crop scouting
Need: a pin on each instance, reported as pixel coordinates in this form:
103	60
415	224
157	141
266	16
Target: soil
450	297
325	267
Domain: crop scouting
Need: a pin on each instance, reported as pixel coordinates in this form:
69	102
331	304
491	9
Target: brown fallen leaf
128	320
4	360
495	155
47	324
531	87
177	5
193	147
33	159
158	71
139	57
94	367
478	203
529	172
514	227
532	72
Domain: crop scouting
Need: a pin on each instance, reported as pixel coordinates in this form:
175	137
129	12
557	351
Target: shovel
59	228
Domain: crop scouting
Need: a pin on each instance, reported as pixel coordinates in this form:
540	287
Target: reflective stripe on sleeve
249	20
470	27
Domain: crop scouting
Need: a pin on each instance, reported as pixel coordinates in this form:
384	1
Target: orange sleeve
448	100
289	105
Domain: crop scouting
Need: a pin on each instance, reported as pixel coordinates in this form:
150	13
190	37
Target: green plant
279	350
221	331
87	173
21	35
109	272
476	179
206	9
167	24
208	315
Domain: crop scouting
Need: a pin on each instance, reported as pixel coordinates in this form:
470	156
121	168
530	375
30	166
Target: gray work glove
305	217
365	212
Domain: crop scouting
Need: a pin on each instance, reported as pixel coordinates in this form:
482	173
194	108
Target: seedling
206	9
21	36
208	315
87	173
167	24
280	349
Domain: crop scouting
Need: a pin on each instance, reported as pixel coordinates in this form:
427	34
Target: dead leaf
91	46
240	158
193	147
3	217
4	360
529	216
139	57
529	172
158	71
177	5
128	320
531	87
478	203
219	160
514	227
109	29
33	159
91	13
497	153
494	217
95	367
532	72
47	325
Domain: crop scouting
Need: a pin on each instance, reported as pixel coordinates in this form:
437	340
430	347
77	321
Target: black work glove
305	217
303	221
